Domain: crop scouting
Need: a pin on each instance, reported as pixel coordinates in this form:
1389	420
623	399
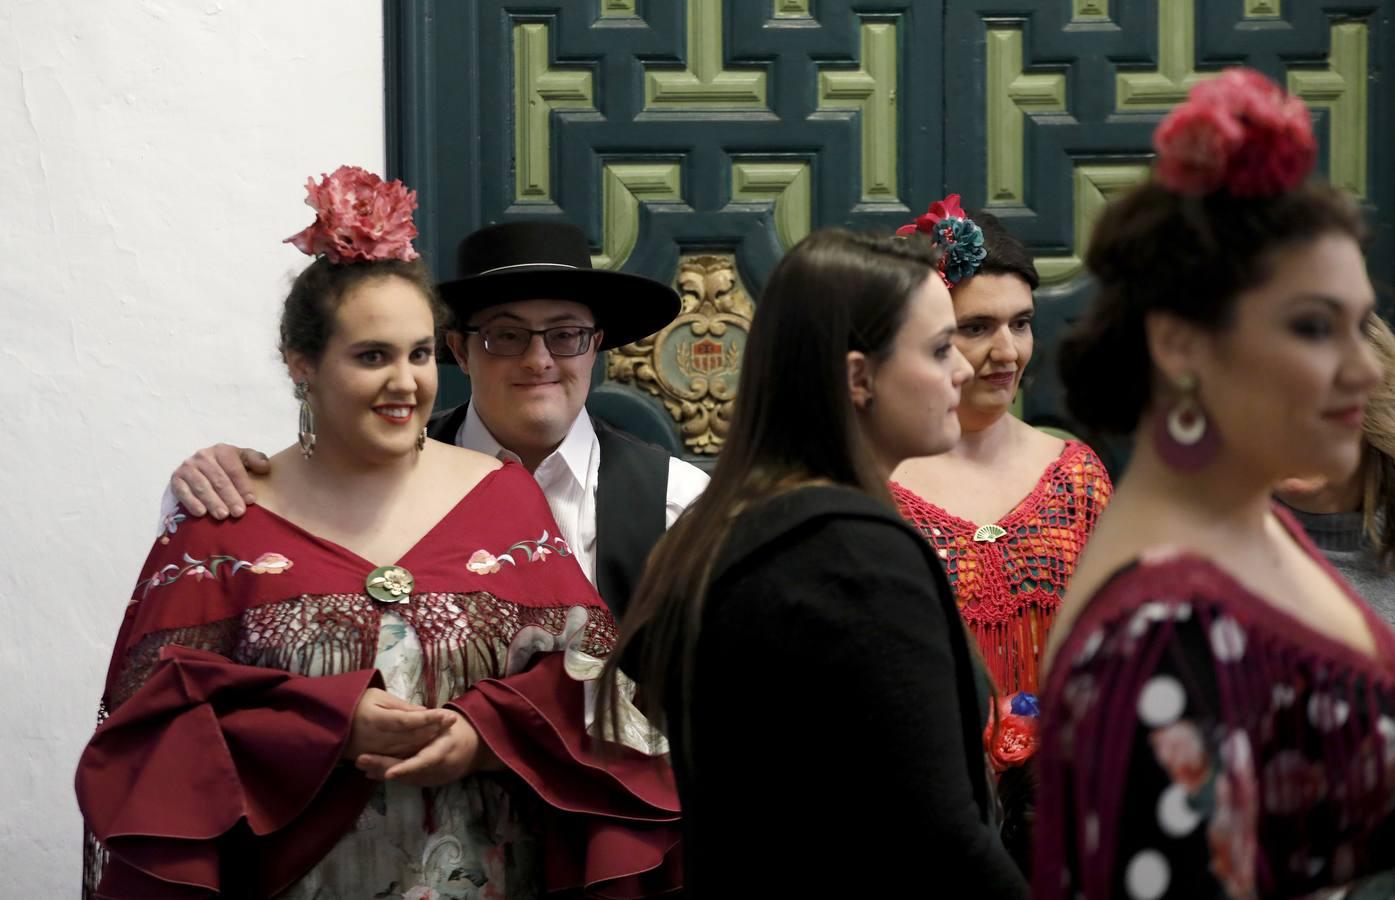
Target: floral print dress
1197	742
462	841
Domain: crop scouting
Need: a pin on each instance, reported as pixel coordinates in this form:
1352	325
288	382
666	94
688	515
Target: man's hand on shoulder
215	480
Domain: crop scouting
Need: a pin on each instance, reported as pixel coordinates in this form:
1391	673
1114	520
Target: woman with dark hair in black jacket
825	707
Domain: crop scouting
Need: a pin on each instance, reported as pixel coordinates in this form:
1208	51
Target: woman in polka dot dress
1219	707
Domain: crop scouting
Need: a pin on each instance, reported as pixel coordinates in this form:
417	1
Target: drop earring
307	419
1184	438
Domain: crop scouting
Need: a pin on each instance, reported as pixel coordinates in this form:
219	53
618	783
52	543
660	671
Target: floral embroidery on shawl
171	525
199	569
482	562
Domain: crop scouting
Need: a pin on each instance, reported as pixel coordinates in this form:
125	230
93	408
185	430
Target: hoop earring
1184	438
421	441
307	419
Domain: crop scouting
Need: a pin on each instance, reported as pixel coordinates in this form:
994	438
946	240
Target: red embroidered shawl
243	653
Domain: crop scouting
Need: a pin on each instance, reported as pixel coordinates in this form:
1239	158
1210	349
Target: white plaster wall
152	156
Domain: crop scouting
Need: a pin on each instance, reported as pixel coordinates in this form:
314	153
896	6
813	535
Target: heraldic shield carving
694	364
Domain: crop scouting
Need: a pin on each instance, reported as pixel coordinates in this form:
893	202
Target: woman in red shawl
1010	507
375	682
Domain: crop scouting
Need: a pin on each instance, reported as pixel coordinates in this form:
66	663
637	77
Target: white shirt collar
574	451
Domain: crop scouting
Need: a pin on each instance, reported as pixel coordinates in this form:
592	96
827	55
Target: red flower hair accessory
962	240
1240	132
358	218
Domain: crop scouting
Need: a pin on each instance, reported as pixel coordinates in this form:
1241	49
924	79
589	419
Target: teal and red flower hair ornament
947	225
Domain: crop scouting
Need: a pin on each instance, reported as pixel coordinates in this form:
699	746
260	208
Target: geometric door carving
674	132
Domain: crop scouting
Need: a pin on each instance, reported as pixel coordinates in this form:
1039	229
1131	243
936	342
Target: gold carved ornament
693	364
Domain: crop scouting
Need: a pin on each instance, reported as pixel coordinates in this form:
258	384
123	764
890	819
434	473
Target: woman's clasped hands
394	740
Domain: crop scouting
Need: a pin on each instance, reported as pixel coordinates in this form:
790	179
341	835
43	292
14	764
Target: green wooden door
694	141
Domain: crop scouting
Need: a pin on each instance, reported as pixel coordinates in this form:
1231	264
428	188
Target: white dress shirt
568	478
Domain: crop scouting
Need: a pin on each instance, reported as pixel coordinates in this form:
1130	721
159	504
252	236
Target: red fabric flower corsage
1011	737
1238	131
358	217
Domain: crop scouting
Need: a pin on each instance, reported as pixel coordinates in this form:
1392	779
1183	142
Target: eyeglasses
513	340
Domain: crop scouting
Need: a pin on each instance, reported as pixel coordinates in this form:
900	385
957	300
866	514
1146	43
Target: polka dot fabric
1008	589
1198	742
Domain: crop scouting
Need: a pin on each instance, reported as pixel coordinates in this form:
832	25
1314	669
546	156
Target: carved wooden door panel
694	141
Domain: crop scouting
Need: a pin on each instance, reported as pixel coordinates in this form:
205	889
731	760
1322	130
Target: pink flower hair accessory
358	218
1239	132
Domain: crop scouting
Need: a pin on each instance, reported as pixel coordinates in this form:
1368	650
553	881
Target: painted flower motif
199	573
1181	752
482	562
270	564
358	216
421	892
1232	832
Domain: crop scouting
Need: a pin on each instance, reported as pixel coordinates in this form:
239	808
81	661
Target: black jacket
836	721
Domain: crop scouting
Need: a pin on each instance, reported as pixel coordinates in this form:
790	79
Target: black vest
631	502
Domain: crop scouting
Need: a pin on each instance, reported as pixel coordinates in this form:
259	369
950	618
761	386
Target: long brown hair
835	292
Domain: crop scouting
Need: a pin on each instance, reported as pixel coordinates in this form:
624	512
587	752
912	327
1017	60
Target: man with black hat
530	315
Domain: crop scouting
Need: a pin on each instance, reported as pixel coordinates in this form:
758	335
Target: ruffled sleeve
206	775
209	754
613	814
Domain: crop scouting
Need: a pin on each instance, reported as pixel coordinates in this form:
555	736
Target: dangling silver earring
421	441
307	419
